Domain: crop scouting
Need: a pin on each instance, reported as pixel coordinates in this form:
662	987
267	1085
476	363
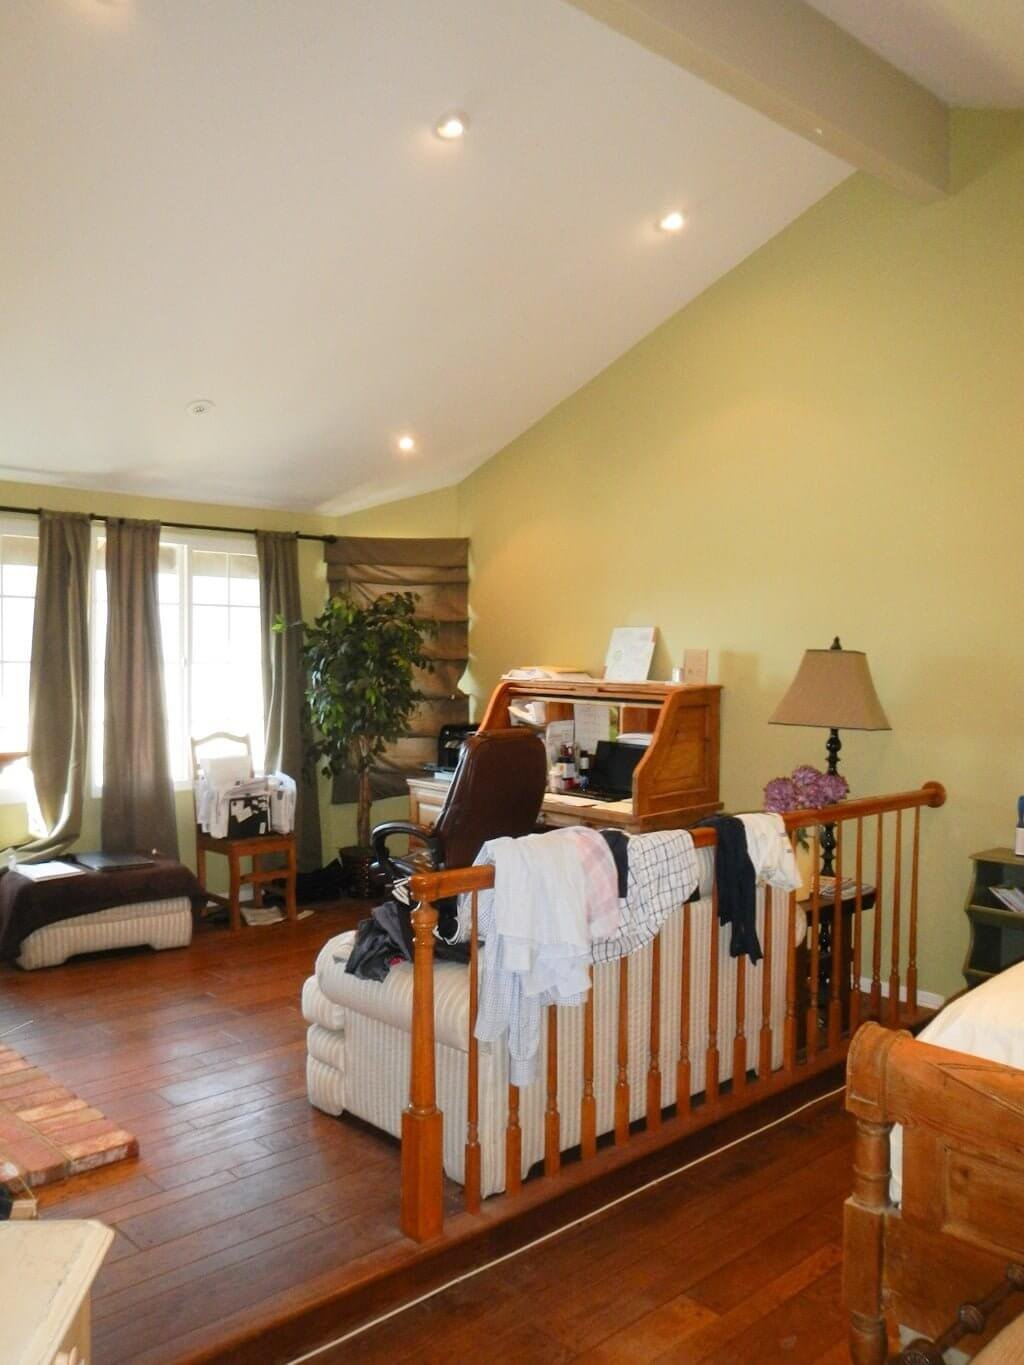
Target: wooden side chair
254	847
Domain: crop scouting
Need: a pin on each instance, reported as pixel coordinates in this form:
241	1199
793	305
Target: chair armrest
382	833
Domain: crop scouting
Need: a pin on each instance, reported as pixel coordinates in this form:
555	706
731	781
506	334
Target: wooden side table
826	910
997	934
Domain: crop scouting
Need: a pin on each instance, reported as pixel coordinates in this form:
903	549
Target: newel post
864	1212
422	1173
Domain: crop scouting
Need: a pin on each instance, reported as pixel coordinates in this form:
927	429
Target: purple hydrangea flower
806	789
780	795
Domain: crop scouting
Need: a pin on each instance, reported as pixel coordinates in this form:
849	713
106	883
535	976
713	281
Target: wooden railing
833	981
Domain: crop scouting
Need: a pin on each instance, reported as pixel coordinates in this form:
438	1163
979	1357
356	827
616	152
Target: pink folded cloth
600	878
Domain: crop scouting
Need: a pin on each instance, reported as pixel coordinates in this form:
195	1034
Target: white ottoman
154	924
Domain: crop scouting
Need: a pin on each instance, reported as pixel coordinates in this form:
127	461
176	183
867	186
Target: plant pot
362	879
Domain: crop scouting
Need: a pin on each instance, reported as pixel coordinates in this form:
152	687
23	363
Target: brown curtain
284	686
138	794
438	571
58	708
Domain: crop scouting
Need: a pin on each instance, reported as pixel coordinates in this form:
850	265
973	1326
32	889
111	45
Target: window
18	556
209	598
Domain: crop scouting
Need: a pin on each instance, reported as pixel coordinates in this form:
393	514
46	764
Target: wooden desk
427	796
675	782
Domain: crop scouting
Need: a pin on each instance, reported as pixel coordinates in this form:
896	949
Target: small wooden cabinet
997	934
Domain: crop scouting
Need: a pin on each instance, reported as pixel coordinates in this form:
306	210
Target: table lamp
833	691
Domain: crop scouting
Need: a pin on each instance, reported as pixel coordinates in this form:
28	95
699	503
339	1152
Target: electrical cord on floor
557	1232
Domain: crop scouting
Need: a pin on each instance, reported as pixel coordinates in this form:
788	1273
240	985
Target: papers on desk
566	799
617	807
630	651
556	734
593	723
46	872
546	672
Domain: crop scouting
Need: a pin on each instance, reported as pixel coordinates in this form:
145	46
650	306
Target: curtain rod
181	525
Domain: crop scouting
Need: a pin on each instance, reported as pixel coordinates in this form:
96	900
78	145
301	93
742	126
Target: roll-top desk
674	784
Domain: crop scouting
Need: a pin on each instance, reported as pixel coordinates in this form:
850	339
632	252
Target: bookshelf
997	934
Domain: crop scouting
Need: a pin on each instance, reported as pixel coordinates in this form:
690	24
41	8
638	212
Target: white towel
770	850
536	941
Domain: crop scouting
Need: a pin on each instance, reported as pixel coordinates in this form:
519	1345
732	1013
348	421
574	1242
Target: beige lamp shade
833	690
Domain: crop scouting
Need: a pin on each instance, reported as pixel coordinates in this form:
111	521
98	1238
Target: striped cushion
156	924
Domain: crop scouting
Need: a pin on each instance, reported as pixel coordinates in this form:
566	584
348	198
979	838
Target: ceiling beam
793	64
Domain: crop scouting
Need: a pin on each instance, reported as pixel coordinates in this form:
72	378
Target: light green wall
829	440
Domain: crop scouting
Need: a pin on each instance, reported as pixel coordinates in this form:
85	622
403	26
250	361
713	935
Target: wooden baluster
897	878
588	1103
789	1030
764	1059
654	1061
876	947
711	1081
422	1210
552	1118
473	1080
622	1058
814	982
739	1038
912	938
513	1144
683	1067
858	910
835	1004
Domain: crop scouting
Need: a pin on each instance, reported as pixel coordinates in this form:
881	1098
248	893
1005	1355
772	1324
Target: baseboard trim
927	998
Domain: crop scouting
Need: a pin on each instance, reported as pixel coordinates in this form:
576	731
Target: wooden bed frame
876	980
953	1251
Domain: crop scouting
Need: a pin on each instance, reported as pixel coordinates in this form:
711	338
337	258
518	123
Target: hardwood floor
737	1260
242	1190
247	1207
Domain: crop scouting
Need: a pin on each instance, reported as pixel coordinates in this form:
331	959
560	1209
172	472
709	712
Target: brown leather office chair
497	790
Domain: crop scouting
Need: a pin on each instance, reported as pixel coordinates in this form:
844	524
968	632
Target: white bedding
986	1022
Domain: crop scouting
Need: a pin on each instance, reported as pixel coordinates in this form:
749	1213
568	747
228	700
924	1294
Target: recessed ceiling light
451	126
672	222
406	444
200	407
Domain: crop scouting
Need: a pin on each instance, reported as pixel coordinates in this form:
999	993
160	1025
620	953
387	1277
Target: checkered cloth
663	872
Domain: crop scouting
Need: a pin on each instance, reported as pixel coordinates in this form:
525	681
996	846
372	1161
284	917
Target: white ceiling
243	201
968	52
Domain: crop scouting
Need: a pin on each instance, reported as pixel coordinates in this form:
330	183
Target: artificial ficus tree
360	661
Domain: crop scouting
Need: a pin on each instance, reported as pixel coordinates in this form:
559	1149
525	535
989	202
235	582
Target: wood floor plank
626	1265
764	1314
